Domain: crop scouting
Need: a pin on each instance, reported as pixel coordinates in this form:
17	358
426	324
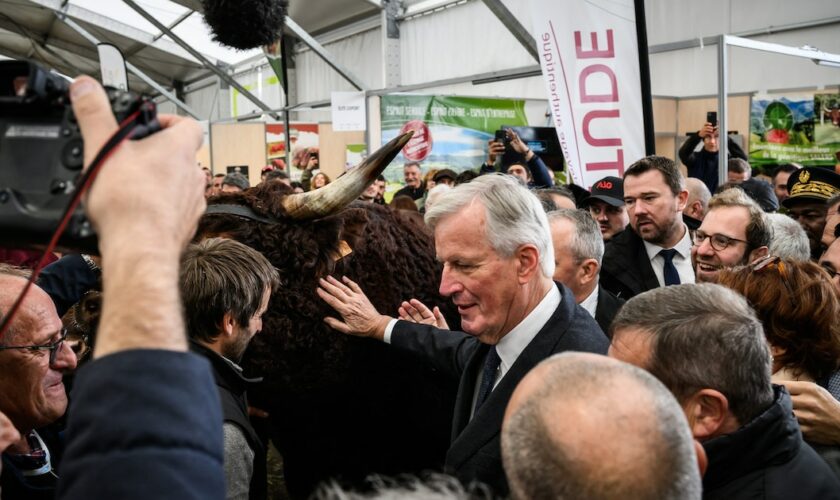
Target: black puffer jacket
767	459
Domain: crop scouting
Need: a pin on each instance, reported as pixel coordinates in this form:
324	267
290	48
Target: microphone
245	24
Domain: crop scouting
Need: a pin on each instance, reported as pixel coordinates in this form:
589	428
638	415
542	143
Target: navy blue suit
475	453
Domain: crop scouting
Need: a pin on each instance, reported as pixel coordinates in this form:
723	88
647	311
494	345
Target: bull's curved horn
339	193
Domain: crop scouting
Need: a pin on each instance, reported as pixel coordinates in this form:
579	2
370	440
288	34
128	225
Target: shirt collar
590	303
511	345
683	247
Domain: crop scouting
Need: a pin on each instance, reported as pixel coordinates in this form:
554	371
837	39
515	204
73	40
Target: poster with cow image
794	128
449	132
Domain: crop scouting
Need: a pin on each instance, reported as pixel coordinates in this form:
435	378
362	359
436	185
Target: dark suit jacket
626	269
475	453
606	309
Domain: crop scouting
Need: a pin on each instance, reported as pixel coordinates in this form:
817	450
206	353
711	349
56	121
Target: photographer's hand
142	223
707	130
519	146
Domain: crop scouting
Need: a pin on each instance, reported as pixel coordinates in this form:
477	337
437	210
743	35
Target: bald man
698	199
581	425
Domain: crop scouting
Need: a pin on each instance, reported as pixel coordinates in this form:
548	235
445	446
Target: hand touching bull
360	318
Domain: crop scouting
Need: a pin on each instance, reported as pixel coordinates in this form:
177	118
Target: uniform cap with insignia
812	184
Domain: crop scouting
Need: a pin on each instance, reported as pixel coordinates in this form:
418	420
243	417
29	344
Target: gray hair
515	216
704	336
789	241
435	193
433	487
697	190
656	458
586	241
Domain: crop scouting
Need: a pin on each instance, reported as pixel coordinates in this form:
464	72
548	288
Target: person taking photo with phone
703	164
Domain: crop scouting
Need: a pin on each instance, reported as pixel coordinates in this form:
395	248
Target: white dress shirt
511	345
682	260
590	303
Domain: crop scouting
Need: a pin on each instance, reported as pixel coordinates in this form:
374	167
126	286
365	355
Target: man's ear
228	324
682	200
588	271
707	412
695	209
758	253
528	260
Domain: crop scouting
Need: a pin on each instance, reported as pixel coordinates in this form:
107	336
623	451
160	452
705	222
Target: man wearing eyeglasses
734	232
33	361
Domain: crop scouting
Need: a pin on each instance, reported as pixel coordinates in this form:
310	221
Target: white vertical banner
590	64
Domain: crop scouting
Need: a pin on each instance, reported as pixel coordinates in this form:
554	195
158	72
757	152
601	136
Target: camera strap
132	125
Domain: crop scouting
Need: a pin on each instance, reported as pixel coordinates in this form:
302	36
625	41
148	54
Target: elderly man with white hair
493	239
789	241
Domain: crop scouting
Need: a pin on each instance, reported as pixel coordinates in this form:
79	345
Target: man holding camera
703	164
531	170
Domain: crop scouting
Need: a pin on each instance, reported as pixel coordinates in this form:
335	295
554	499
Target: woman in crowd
319	180
798	306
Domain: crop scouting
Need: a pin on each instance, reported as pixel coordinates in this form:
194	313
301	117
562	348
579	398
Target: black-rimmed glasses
53	347
718	241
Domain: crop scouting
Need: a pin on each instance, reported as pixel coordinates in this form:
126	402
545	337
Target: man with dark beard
734	232
225	287
656	249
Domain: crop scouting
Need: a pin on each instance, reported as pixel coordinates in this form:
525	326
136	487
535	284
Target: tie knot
668	254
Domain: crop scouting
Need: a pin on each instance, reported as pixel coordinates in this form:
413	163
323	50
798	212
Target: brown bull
341	407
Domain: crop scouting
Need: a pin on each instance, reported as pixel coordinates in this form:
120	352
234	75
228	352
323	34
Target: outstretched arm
358	316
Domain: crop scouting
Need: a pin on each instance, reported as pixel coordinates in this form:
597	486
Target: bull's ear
354	221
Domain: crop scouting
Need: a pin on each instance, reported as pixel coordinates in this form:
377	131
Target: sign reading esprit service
590	64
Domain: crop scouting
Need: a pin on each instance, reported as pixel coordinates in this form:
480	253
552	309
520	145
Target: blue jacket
144	424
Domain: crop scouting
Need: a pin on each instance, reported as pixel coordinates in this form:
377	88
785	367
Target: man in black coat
706	345
225	288
703	164
656	249
493	239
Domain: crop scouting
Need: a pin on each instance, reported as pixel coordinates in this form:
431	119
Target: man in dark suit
578	250
656	249
493	239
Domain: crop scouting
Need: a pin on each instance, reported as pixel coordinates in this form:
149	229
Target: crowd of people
644	338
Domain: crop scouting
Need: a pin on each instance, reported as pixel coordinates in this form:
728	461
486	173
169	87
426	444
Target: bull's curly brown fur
392	260
337	402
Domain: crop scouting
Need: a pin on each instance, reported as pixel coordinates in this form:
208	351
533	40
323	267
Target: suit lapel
488	421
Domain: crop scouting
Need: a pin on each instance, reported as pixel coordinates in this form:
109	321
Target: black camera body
42	155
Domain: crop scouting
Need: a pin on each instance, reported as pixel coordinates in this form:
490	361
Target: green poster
449	132
784	130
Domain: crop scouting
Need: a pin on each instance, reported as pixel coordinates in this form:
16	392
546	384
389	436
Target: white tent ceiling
30	29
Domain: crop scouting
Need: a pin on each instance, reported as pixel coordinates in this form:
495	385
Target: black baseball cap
610	190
